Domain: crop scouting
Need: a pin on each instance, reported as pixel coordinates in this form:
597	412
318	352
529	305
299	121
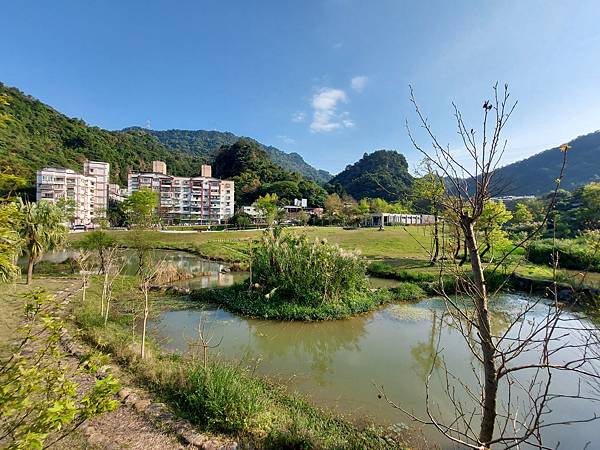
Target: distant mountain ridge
205	143
537	174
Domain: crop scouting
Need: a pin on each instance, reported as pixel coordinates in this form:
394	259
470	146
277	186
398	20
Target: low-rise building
193	200
391	219
116	193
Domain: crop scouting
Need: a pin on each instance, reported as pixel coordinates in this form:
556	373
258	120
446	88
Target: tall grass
307	272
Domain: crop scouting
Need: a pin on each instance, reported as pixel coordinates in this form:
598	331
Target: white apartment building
194	200
101	172
53	184
89	191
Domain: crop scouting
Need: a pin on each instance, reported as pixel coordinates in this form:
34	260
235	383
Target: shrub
306	272
221	396
572	253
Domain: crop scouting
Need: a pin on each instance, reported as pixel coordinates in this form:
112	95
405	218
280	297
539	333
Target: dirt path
138	423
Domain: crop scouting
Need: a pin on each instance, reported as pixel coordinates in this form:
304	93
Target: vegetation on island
295	278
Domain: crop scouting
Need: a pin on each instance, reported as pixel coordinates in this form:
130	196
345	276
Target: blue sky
327	79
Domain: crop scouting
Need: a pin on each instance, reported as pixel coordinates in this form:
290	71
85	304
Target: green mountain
381	174
255	174
537	174
207	143
38	136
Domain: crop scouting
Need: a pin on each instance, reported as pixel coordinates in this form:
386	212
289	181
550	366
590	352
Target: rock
142	405
195	439
211	445
124	393
131	399
156	409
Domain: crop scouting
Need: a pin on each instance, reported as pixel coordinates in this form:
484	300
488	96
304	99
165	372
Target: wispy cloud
286	139
325	111
298	116
359	82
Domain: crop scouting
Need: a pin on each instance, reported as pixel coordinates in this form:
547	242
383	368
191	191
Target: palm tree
10	242
42	230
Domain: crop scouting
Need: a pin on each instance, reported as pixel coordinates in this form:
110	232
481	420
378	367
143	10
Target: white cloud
298	116
325	111
286	139
359	82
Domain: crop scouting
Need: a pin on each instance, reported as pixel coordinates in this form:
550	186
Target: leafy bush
579	253
40	397
310	273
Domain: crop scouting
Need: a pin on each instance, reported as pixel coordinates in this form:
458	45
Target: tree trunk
488	351
436	241
146	309
30	265
458	241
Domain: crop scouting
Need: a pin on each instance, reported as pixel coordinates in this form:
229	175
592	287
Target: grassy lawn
402	247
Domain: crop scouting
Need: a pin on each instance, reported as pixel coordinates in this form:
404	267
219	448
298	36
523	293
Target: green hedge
572	254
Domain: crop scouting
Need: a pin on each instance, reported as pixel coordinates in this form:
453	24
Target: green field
404	247
395	243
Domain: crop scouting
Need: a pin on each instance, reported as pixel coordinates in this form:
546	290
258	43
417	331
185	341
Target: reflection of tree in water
316	343
423	353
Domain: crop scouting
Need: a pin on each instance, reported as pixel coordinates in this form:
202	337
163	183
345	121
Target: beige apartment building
187	200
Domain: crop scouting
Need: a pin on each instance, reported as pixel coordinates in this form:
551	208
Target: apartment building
54	184
193	200
89	190
101	172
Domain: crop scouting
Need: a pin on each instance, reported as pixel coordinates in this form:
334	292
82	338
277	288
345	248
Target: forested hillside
207	143
537	174
255	174
381	174
37	136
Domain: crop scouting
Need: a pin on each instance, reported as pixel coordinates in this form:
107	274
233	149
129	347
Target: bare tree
113	266
147	275
108	267
205	340
85	261
519	362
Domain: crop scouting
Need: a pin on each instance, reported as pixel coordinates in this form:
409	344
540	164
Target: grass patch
255	303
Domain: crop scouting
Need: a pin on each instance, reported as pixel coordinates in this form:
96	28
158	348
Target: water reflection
337	363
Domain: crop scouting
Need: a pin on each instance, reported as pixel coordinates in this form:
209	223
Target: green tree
302	218
588	214
10	241
333	206
41	400
267	206
100	242
140	208
489	227
41	229
522	215
378	205
428	192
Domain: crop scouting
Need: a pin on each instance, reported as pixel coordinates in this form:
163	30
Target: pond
337	364
206	273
